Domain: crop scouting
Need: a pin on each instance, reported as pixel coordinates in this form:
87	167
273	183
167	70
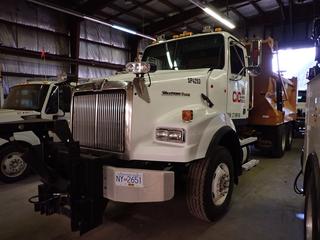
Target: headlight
138	67
170	135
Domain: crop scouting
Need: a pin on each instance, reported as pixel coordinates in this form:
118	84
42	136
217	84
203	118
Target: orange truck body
264	100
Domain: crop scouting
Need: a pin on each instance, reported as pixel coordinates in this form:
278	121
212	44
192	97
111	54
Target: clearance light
138	67
214	14
187	115
176	135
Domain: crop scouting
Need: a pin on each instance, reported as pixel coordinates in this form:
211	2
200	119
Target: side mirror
60	113
153	67
254	49
254	71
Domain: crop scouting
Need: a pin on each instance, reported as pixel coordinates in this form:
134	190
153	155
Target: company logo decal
238	97
183	94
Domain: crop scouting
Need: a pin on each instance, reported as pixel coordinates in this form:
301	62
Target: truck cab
31	100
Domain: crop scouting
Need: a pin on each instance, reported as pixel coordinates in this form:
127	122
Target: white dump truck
182	111
311	153
31	100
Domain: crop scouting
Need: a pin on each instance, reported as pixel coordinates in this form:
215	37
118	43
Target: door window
237	60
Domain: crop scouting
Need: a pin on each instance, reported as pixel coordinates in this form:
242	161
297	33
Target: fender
227	137
28	137
3	141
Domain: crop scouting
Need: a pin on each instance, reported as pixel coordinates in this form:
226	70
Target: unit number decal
194	80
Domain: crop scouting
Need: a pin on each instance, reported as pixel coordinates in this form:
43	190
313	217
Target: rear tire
289	137
278	141
210	185
13	166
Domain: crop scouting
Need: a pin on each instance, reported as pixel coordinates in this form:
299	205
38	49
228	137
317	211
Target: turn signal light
187	115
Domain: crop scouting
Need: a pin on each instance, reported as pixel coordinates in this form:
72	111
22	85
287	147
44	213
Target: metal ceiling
161	16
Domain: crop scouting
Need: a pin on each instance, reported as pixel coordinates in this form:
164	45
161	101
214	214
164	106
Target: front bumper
153	185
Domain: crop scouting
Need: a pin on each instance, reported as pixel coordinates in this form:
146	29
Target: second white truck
31	100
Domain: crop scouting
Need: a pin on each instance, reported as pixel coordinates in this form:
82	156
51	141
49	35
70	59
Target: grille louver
98	120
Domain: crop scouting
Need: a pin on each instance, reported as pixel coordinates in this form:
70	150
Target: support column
74	28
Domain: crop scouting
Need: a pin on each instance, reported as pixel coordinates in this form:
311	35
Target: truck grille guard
72	185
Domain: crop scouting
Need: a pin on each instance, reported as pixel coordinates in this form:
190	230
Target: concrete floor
264	206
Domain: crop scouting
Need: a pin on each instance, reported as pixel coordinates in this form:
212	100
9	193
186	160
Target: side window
236	60
65	98
52	106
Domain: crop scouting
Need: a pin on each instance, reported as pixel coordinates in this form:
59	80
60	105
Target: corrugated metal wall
29	27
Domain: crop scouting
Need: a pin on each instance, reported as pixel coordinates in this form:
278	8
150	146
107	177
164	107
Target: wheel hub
220	184
13	165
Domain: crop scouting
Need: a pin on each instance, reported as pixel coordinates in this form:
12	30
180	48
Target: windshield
190	53
26	97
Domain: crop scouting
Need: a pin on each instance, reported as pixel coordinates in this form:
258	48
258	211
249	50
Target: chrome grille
98	120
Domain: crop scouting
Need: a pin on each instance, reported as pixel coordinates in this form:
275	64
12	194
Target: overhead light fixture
214	14
92	19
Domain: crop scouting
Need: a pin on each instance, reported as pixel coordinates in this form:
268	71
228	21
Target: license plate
128	179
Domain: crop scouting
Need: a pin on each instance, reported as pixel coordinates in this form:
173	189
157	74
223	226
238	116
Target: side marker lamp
187	115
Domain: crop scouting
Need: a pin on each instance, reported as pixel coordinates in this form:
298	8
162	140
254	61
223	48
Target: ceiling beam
240	15
106	17
178	19
257	7
93	6
281	7
274	18
123	11
171	5
144	6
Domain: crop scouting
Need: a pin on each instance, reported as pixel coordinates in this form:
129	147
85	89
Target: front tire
210	185
311	217
13	166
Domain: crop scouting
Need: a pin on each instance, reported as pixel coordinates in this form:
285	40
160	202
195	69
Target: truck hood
163	75
9	115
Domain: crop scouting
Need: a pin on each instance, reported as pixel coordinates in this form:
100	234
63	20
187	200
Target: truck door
238	81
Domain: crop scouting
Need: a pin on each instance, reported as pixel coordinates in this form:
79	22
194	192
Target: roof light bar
92	19
214	14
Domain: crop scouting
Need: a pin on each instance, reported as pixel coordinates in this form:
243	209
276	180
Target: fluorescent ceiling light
169	60
219	18
214	14
92	19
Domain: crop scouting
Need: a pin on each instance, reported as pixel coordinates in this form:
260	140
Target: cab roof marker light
214	14
92	19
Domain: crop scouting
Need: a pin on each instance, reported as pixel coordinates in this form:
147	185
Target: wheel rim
283	142
244	153
220	184
12	165
309	217
290	136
